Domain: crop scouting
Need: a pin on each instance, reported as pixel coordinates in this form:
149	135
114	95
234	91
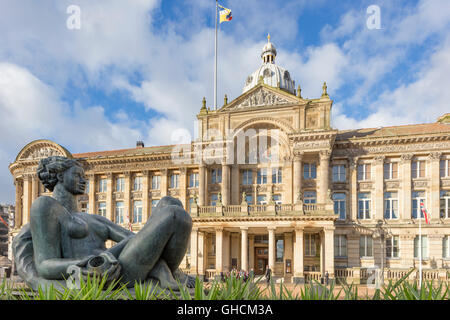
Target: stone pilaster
164	182
405	208
194	251
353	172
298	256
26	199
127	197
324	176
92	191
183	186
202	184
329	250
251	251
435	249
18	205
434	188
145	196
109	197
378	197
201	260
225	184
271	248
235	183
297	175
226	251
244	249
219	249
34	187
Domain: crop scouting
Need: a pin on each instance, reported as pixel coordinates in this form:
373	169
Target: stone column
18	205
225	184
92	191
34	187
272	248
328	242
202	184
219	250
127	196
109	197
26	199
324	176
378	198
182	187
194	251
164	182
145	196
297	176
226	251
235	183
201	260
405	208
244	248
298	256
434	189
251	250
353	172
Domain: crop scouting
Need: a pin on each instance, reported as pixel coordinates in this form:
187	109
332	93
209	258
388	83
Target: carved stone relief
261	97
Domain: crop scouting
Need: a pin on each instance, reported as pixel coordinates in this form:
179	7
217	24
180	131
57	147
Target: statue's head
169	201
61	170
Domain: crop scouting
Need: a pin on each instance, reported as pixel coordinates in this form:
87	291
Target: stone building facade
269	182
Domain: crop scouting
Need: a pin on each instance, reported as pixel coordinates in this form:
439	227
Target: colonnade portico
235	246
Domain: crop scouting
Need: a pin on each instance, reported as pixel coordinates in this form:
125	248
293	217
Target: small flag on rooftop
225	14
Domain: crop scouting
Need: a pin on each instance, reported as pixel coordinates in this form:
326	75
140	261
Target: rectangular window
193	180
102	209
137	186
102	185
340	246
174	181
262	199
424	247
365	246
364	171
262	176
214	199
216	176
390	170
392	247
249	198
277	175
444	168
418	169
339	174
277	199
137	211
310	197
445	204
339	200
446	247
309	171
364	205
120	207
247	178
156	182
280	248
120	184
417	198
310	244
390	205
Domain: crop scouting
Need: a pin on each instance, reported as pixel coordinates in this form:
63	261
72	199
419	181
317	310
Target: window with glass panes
249	198
193	180
339	200
446	247
309	197
417	197
247	178
309	171
102	209
120	184
102	185
390	205
262	176
391	170
364	171
120	207
364	205
424	247
137	185
340	245
339	174
154	203
444	167
310	244
279	243
174	180
277	175
445	204
262	199
156	182
277	198
216	176
137	211
214	199
365	246
392	247
418	169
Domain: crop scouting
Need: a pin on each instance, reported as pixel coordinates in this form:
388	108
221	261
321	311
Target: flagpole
420	247
215	64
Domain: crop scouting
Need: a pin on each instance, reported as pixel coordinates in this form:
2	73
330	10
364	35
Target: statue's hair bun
49	168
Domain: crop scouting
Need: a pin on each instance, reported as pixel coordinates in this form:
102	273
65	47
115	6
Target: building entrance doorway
261	260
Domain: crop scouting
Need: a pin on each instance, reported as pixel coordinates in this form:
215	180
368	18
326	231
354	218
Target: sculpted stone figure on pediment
261	97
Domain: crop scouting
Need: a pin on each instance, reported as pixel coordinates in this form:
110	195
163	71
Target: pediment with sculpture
40	149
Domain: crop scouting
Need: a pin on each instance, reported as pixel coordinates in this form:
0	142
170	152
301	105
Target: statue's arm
116	232
46	234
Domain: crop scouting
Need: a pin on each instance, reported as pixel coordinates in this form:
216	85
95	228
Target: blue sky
138	70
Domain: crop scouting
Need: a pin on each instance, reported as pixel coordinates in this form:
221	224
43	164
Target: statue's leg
165	236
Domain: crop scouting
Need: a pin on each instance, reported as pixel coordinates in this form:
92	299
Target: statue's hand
109	265
84	261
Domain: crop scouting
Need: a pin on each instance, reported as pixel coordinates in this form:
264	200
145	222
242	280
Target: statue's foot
162	273
187	280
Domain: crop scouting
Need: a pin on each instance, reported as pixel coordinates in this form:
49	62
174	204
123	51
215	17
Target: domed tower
272	74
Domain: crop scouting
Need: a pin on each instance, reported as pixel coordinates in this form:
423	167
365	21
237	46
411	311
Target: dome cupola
269	52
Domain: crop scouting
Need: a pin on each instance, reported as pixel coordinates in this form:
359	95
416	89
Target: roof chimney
139	144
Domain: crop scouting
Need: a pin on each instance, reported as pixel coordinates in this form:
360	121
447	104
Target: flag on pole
425	213
4	222
225	14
